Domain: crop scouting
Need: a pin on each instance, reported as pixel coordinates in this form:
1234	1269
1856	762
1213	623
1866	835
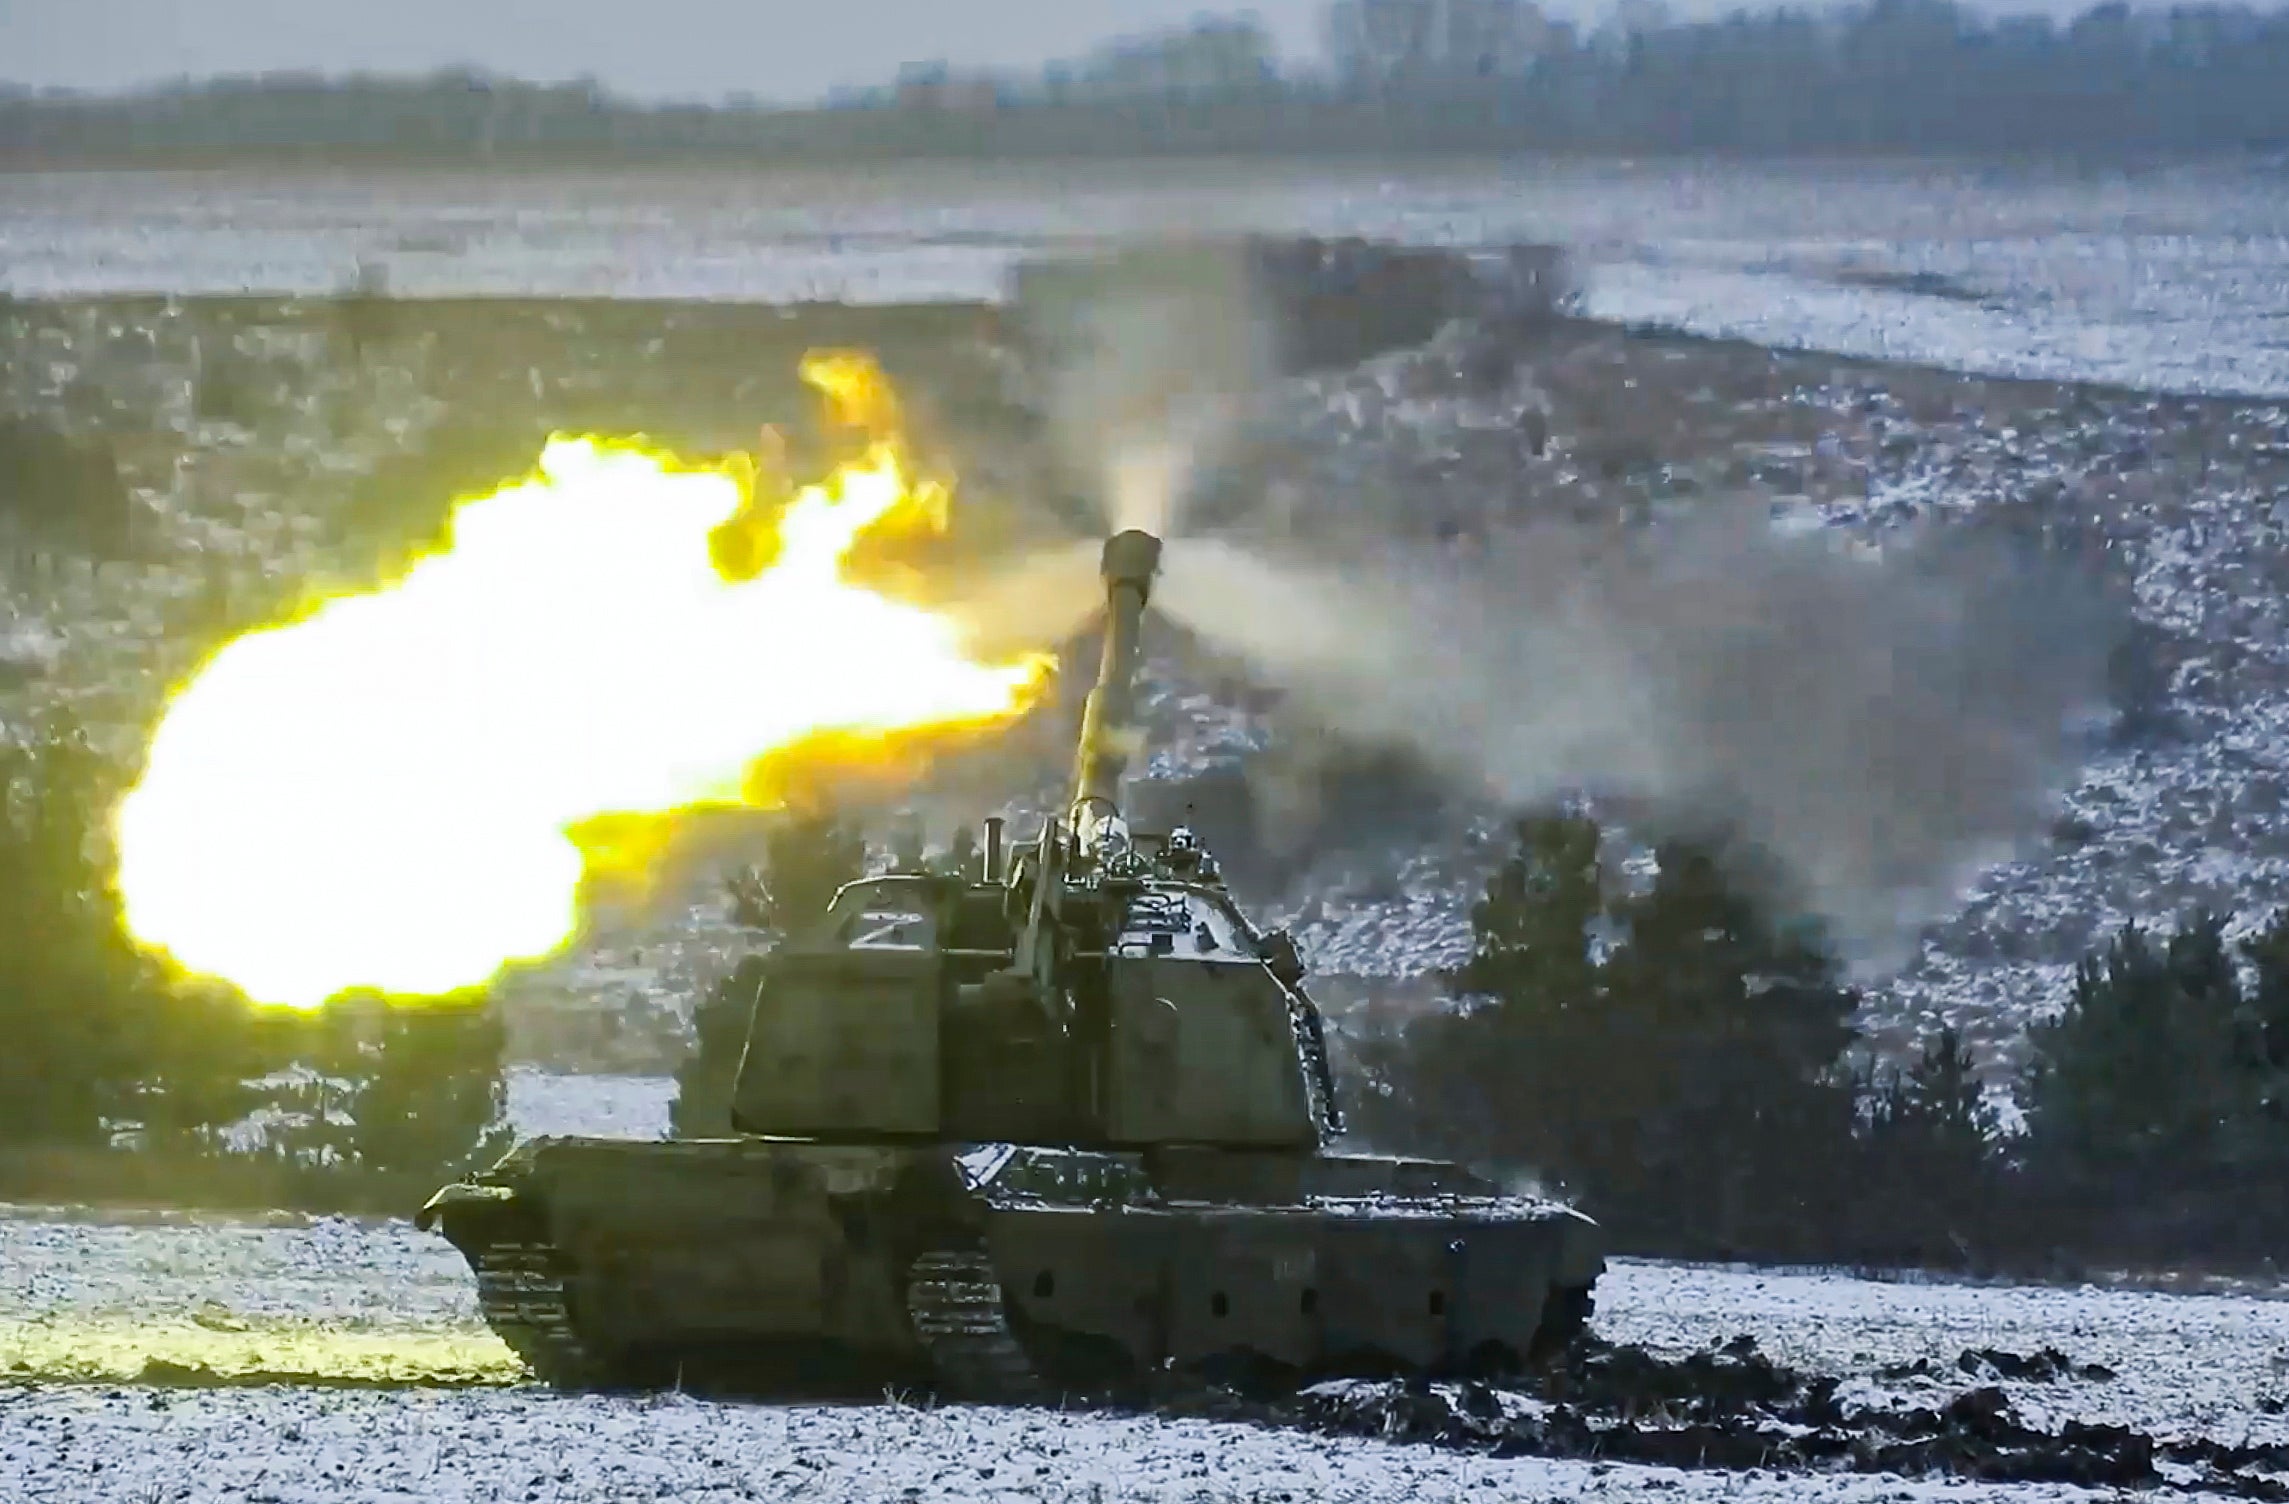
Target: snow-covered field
320	1447
383	1385
2171	279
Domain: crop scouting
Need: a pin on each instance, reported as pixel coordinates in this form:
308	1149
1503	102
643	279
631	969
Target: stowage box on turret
1064	1125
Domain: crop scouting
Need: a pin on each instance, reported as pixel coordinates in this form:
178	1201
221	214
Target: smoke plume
1153	350
1879	726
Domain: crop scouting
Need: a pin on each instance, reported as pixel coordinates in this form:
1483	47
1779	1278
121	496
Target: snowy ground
2184	1365
386	1387
2176	279
304	1446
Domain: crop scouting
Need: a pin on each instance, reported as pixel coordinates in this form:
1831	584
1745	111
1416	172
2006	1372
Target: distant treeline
1901	75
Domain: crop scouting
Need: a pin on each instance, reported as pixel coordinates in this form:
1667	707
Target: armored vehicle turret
1066	1123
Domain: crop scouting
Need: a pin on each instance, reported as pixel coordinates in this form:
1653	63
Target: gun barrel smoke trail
1880	727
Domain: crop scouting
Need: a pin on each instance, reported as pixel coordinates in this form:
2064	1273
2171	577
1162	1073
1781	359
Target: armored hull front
1004	1272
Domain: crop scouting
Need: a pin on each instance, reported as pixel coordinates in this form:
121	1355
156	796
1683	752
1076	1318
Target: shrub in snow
1682	1080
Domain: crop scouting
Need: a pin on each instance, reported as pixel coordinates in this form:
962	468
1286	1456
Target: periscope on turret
1050	1127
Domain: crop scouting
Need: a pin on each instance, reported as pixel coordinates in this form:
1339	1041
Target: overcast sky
790	50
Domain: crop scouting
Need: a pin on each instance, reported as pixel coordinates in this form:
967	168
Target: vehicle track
954	1299
520	1289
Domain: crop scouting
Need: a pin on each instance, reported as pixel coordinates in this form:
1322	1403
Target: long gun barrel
1131	559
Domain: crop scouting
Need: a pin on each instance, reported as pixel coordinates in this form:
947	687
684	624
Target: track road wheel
520	1289
961	1317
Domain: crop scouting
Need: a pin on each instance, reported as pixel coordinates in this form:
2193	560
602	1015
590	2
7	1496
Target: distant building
1217	55
1634	19
1377	41
1639	17
935	86
1380	42
1482	38
955	96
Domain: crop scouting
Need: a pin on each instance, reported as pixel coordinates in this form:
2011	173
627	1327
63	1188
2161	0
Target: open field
287	1359
2170	276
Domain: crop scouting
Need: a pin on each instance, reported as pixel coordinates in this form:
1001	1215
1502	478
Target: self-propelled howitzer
1064	1123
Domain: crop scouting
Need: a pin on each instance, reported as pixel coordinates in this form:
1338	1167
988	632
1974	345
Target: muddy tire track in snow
1735	1409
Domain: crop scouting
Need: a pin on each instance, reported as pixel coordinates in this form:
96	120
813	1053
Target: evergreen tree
1738	1025
2139	1072
1931	1151
71	984
2150	1099
1685	1085
1530	933
432	1099
328	1058
960	858
1936	1107
1531	1013
806	857
909	845
96	1034
204	1049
